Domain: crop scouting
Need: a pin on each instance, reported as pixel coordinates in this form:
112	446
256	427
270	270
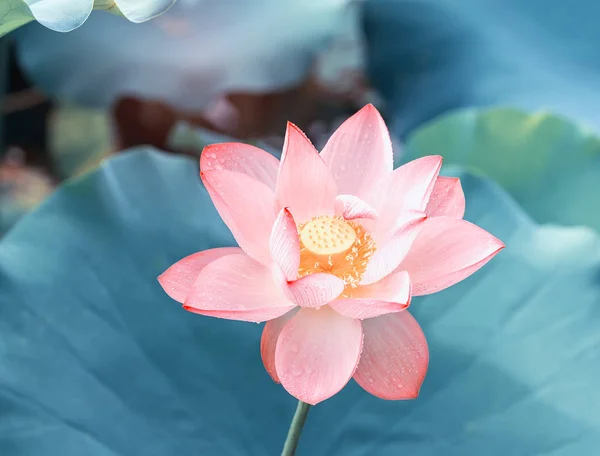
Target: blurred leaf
184	136
79	138
67	15
13	14
549	165
431	56
186	58
22	188
96	360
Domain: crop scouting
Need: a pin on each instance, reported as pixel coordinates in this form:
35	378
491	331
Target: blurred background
202	70
105	108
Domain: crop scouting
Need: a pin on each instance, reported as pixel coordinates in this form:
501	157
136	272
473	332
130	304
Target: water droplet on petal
297	372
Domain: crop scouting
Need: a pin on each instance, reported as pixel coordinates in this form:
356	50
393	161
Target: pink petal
447	199
304	185
236	287
394	360
177	281
247	206
408	188
412	184
388	256
352	207
242	158
317	353
285	244
315	290
392	294
268	341
365	308
446	251
359	153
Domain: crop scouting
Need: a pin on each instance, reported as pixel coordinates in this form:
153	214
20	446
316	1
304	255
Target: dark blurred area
48	138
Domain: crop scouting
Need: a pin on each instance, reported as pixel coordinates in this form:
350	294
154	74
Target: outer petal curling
138	12
352	207
447	199
359	153
446	251
236	287
241	158
316	354
304	184
408	188
57	15
395	357
392	294
388	256
177	281
247	206
315	290
268	341
285	244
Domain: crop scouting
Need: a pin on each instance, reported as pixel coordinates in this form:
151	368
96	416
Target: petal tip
370	108
291	127
495	243
161	279
206	150
189	308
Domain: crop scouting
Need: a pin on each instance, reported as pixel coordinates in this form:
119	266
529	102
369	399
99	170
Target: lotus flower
65	16
332	248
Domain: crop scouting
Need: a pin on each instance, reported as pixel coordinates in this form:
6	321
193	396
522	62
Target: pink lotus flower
332	248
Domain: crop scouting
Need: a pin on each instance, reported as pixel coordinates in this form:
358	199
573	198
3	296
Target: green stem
291	443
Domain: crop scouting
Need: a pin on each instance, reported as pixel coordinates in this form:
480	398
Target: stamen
335	246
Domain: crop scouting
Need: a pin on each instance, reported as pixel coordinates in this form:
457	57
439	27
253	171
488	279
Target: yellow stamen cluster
335	246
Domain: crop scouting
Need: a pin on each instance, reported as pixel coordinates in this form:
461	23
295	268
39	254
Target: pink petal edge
363	308
177	281
316	353
388	256
242	158
304	184
392	294
285	244
447	199
268	341
359	153
315	290
352	207
408	188
236	287
247	206
395	357
446	251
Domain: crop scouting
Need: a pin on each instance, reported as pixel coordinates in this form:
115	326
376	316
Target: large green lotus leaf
549	165
431	56
67	15
96	360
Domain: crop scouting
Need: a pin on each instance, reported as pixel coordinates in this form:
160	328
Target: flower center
335	246
327	236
